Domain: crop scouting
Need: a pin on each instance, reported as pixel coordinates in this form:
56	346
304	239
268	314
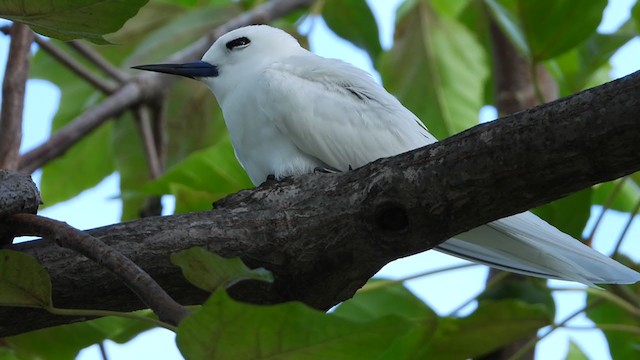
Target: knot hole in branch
391	217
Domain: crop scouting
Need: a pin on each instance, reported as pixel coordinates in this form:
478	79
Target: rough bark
324	235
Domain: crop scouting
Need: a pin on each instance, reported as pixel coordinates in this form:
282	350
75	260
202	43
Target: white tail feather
528	245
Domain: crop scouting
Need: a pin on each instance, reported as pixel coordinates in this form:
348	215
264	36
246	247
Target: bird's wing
528	245
336	112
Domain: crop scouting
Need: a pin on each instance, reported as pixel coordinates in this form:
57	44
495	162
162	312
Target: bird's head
233	55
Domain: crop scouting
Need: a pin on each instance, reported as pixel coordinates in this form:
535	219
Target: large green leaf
179	31
569	214
555	26
437	69
214	170
380	298
353	20
194	120
540	29
576	69
72	19
23	281
451	8
210	271
622	344
225	329
68	340
493	325
635	14
504	13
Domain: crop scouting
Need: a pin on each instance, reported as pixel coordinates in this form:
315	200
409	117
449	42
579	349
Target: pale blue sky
41	103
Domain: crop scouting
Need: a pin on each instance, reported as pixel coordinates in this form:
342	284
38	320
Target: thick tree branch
145	87
13	90
324	235
515	90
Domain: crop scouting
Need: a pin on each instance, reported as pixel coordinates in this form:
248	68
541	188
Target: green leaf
379	298
547	29
214	170
493	325
194	122
225	329
575	353
179	31
68	340
437	69
635	14
576	69
210	271
569	214
450	8
504	13
8	354
23	281
72	19
622	344
353	20
83	166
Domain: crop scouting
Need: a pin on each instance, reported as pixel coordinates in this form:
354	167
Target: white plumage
289	112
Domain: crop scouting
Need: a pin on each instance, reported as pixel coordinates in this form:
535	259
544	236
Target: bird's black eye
238	43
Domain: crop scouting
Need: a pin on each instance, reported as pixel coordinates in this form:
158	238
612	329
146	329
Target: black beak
196	69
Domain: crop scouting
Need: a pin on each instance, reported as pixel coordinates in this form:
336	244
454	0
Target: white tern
289	112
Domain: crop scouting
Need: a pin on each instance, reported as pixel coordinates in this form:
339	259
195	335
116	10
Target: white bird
289	112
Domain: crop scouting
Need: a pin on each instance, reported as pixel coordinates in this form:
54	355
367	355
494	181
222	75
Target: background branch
74	65
13	89
324	235
97	59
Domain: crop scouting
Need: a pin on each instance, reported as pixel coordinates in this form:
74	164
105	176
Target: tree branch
131	275
324	235
13	90
145	87
97	59
106	86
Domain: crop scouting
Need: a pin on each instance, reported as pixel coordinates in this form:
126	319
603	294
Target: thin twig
103	350
147	86
143	120
134	277
370	286
632	216
13	90
67	60
606	206
496	279
97	59
529	345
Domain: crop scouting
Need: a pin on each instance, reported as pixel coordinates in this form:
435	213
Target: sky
41	104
